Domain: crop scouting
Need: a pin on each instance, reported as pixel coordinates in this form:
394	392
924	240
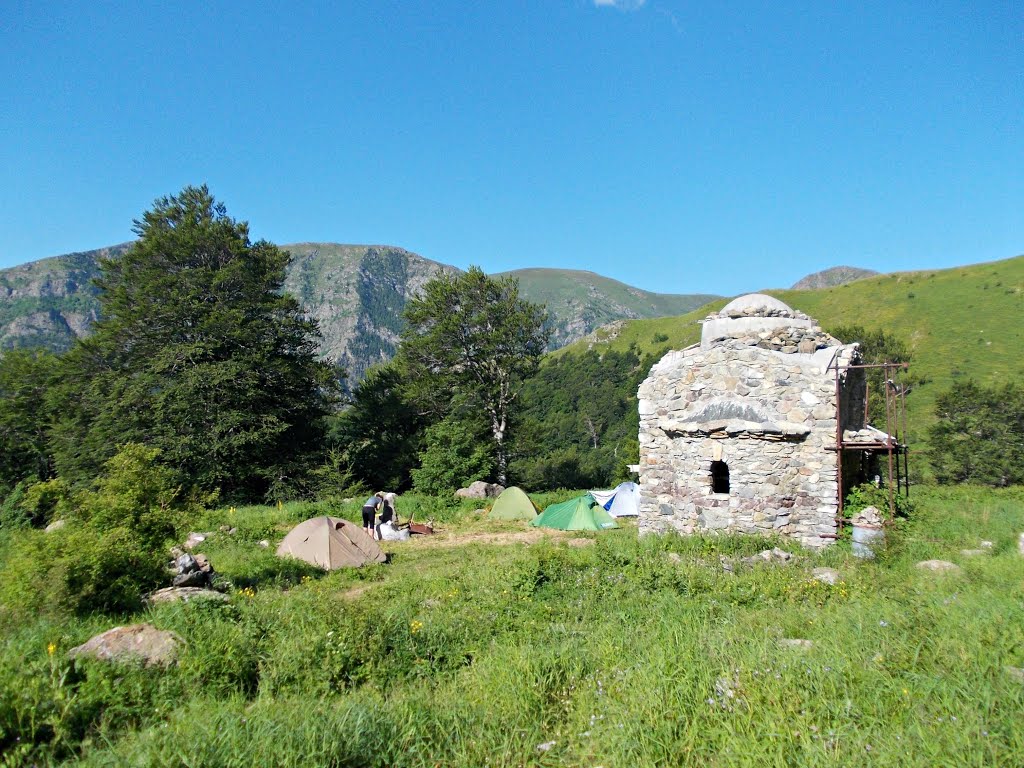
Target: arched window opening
719	477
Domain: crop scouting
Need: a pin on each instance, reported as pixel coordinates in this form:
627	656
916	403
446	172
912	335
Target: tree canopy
198	354
979	435
471	336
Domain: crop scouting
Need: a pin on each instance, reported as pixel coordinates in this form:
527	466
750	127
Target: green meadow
495	644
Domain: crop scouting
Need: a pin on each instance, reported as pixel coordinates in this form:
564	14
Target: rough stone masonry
738	433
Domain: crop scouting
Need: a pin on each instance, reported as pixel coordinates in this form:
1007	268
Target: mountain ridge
355	292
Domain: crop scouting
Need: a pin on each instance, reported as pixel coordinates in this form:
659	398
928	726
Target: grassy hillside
582	301
960	323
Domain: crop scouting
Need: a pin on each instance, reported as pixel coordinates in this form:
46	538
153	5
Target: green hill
582	301
960	323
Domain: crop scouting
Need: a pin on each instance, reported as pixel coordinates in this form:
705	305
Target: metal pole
839	453
889	429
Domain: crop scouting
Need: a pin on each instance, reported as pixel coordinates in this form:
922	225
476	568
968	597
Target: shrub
110	552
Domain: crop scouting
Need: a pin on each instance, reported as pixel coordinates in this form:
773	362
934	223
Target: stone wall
765	406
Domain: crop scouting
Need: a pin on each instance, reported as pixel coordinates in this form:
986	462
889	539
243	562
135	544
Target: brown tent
331	542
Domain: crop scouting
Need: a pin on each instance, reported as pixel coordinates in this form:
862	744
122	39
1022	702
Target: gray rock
191	579
141	642
264	543
185	595
939	566
195	539
1015	672
985	544
775	555
797	643
826	575
480	490
56	525
186	563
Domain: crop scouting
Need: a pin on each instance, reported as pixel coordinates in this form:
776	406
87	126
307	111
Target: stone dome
756	305
750	315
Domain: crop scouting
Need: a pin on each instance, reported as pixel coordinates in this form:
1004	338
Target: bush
456	454
110	552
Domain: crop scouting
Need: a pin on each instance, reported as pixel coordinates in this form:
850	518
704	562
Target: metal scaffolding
891	442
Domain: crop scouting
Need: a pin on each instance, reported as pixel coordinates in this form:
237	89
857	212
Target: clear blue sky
676	146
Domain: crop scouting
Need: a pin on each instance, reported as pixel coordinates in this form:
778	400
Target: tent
622	501
580	514
513	504
330	543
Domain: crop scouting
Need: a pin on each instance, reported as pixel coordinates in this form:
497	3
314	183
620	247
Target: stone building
738	433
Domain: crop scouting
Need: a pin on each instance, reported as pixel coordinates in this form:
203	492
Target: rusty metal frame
895	428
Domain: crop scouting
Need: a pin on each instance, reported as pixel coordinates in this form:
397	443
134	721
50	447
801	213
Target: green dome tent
513	504
580	514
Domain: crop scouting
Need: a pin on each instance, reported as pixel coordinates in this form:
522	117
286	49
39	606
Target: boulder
797	643
185	595
137	642
774	555
869	517
480	490
194	539
56	525
1015	672
191	579
826	575
939	566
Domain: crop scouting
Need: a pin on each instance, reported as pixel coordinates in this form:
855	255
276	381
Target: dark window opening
719	477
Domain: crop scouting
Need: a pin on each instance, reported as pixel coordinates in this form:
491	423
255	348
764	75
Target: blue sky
676	146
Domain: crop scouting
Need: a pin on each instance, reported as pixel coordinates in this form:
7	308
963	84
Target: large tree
471	339
979	435
25	378
199	354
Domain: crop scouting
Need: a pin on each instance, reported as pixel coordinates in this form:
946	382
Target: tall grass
630	651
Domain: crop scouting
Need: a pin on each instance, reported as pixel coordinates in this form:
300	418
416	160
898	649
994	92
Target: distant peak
831	277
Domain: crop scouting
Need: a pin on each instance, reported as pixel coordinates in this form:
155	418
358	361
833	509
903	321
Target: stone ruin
738	433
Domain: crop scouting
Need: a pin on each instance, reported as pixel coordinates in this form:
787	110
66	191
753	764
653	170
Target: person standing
370	507
387	513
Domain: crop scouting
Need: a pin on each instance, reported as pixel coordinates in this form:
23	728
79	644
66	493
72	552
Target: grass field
494	645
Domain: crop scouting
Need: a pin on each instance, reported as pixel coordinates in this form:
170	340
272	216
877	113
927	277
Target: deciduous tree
471	336
199	354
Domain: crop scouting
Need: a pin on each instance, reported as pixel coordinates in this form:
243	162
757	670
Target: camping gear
330	543
622	501
513	504
388	532
580	514
866	539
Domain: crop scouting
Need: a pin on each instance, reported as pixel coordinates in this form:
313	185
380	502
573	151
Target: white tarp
622	501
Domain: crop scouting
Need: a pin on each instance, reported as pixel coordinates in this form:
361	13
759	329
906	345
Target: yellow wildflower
51	648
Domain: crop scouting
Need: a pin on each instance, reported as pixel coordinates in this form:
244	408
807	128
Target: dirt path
443	539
